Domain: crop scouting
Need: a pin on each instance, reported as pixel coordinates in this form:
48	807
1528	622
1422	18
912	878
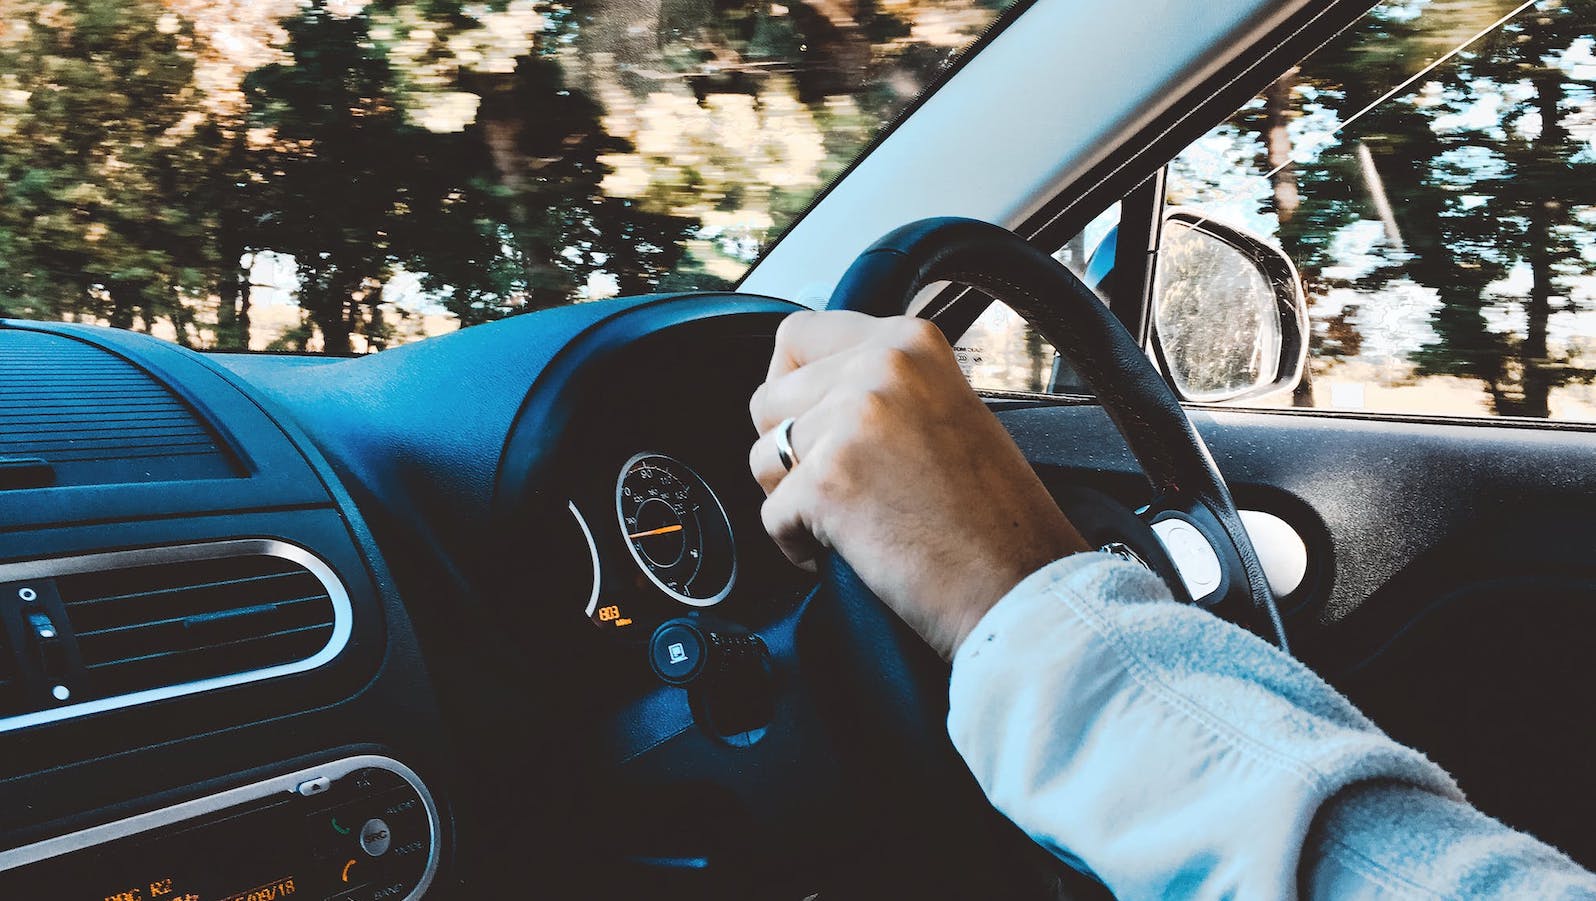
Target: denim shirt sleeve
1174	755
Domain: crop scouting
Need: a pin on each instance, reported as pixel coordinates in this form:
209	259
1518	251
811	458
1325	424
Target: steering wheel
899	721
1187	486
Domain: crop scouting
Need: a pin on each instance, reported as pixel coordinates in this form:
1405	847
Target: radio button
315	786
374	780
375	837
386	890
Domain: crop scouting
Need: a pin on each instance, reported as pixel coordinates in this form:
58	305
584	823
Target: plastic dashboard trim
538	426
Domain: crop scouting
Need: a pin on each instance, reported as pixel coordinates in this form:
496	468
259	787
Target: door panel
1451	590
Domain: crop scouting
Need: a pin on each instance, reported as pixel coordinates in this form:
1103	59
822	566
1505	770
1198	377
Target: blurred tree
1464	205
1516	186
491	194
153	151
103	159
1475	172
336	170
546	145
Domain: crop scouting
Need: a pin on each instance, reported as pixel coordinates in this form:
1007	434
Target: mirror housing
1229	317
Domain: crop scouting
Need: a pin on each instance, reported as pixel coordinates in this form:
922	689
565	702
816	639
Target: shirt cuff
1104	574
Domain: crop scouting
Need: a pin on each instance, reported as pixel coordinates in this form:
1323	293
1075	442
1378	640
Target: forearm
1172	754
1388	839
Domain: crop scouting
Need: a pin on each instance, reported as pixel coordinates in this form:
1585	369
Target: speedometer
676	529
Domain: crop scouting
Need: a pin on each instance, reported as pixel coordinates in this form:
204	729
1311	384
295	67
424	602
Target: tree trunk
1035	351
246	293
327	295
1533	354
1278	99
334	330
1538	372
1277	144
124	305
232	294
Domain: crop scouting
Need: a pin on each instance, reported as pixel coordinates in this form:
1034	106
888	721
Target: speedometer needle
662	530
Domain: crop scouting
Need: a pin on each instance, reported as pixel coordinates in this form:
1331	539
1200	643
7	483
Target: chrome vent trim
343	616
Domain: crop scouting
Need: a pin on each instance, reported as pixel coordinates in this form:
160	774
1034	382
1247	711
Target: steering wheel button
1192	555
677	653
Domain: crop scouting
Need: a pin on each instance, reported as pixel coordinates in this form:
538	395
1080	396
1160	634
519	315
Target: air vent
166	625
96	419
139	626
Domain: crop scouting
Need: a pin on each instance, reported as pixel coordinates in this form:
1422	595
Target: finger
810	335
787	524
799	391
764	461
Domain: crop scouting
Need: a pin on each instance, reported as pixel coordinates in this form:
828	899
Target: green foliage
1483	171
145	170
100	159
123	197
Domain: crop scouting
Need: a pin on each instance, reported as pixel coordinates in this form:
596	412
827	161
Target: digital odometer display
676	529
366	837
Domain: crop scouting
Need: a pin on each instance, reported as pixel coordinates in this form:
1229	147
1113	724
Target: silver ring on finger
783	439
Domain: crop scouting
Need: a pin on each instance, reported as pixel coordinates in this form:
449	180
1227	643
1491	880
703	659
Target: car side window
1002	352
1431	173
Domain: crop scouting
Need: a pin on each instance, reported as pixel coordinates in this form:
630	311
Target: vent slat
217	646
196	586
112	403
175	425
186	633
67	393
200	619
177	667
185	438
47	418
149	454
150	626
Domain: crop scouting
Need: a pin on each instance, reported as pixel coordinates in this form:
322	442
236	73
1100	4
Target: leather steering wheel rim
885	279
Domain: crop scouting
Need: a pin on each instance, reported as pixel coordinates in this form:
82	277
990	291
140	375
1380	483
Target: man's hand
901	469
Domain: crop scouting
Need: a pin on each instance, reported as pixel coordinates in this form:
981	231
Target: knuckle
915	334
833	486
787	331
755	456
882	368
896	366
757	399
770	515
870	409
776	513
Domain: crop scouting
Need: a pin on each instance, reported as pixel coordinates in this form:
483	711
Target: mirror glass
1216	316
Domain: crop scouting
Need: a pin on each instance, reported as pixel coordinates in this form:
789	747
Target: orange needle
659	531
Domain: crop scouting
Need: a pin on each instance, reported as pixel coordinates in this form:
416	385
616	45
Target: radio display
366	836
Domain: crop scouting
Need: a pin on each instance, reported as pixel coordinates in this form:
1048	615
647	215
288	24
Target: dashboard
279	627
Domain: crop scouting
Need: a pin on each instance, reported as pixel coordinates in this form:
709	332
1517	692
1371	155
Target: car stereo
359	829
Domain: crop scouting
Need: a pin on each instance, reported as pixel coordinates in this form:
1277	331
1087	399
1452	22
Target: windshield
340	176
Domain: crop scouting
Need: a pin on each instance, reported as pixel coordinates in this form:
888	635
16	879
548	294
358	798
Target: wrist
1007	571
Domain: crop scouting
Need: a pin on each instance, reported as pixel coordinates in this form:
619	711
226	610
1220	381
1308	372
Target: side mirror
1230	320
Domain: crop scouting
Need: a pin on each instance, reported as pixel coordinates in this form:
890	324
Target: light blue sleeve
1174	755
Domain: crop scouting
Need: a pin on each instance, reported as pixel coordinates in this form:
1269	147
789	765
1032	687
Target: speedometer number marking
676	529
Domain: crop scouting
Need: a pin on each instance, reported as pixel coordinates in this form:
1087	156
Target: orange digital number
606	614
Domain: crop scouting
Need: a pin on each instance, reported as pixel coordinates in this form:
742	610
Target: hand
901	469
